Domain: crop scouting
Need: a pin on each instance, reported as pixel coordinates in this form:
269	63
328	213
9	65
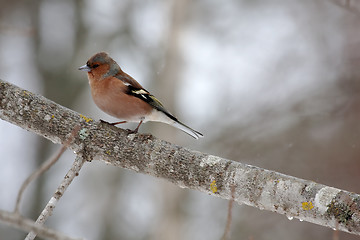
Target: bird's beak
85	68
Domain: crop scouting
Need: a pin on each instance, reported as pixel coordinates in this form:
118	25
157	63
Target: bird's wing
155	103
150	99
135	89
128	80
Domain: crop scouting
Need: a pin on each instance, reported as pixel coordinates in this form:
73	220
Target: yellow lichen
86	118
213	186
307	206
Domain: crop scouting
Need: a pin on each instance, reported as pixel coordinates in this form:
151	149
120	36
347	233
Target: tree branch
257	187
43	168
50	206
22	223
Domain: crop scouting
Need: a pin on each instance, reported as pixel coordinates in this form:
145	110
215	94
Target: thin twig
49	208
229	217
24	224
44	167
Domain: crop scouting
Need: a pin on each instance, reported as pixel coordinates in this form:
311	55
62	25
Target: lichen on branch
216	176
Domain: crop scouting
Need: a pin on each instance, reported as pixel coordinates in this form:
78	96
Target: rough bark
257	187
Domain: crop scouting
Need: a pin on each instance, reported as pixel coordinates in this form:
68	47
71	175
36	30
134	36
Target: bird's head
101	65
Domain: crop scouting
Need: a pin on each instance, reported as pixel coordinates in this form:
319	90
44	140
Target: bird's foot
136	129
113	124
116	123
132	131
102	121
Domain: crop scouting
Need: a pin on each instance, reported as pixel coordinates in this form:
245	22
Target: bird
121	96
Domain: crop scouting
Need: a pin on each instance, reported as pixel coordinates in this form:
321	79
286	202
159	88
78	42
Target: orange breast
109	95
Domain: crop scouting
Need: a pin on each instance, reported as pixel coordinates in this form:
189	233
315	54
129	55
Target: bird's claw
102	121
132	131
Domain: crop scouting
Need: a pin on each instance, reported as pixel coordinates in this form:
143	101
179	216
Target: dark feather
150	99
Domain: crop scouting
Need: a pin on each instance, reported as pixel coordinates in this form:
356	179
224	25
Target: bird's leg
102	121
116	123
136	129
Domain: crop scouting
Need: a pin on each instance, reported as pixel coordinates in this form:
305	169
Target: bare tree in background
309	130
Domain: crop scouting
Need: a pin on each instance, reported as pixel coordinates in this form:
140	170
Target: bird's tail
186	129
163	116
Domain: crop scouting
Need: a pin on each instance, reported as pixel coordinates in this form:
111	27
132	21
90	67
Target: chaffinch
121	96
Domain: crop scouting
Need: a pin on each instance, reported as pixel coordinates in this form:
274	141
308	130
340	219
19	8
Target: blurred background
274	84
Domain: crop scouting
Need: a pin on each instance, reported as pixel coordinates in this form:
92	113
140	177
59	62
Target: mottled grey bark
264	189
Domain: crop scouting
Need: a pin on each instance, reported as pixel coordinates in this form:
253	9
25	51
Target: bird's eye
95	65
